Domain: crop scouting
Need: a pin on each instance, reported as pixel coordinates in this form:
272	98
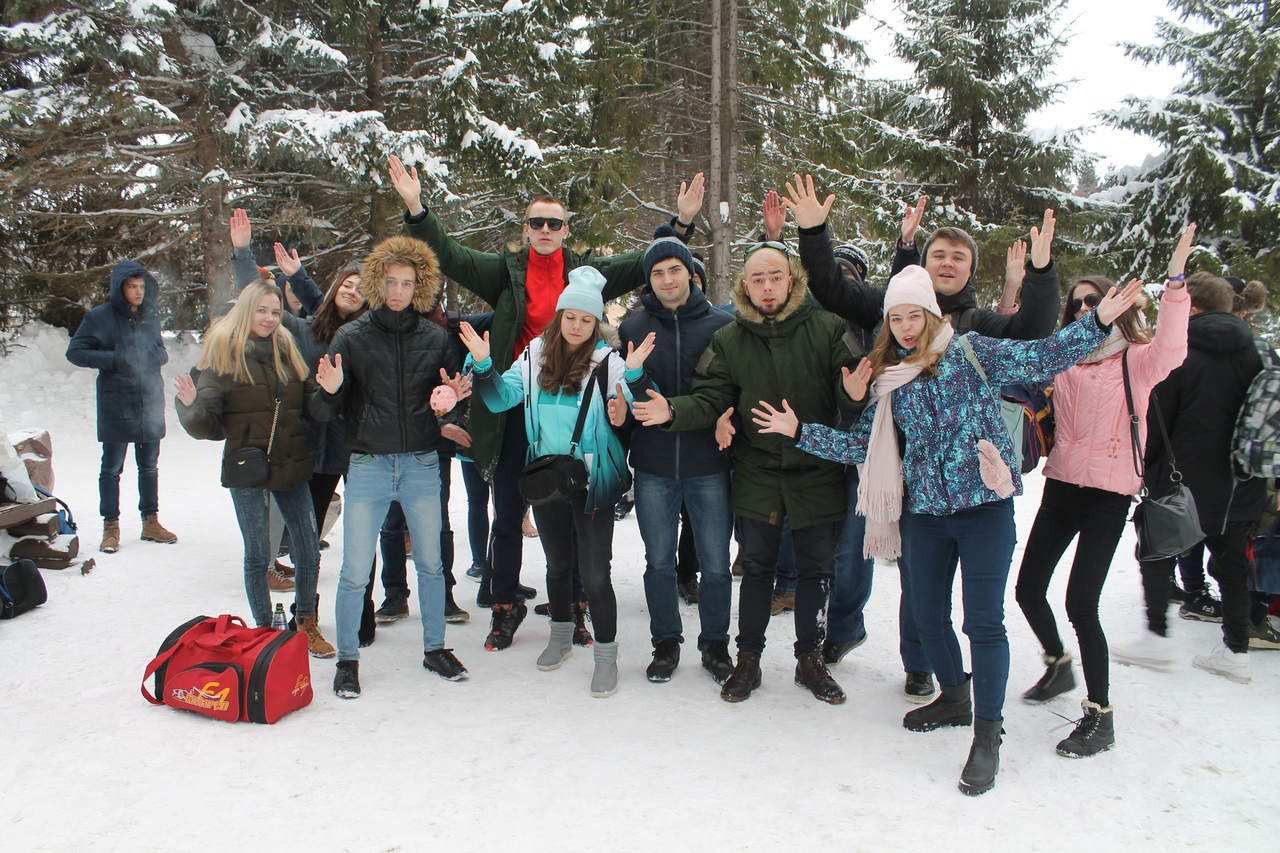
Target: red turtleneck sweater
543	284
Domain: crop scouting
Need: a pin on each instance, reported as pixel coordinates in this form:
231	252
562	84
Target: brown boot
745	678
277	582
153	532
812	672
110	537
316	644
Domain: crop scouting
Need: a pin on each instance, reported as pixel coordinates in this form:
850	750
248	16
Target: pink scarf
880	477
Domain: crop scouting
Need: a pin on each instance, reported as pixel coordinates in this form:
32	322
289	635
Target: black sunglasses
536	223
1090	300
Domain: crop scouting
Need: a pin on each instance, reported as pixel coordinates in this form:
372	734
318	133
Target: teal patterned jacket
945	416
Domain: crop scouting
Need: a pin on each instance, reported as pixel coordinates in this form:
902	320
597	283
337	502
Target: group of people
819	420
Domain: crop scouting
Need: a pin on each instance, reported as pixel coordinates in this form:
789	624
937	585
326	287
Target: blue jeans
658	515
982	538
395	558
147	455
253	512
373	482
851	578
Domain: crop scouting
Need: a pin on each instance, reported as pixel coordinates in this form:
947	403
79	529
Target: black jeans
1099	517
758	544
686	551
508	511
558	523
1226	566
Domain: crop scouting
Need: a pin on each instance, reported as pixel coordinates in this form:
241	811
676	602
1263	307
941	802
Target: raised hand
804	204
329	374
775	215
241	230
637	355
911	219
456	434
460	383
1178	263
1117	301
185	388
857	381
1042	241
725	430
783	421
689	201
617	408
476	345
406	184
1015	270
287	261
653	412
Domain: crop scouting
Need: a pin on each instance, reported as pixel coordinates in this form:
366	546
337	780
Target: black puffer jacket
1200	401
241	412
391	363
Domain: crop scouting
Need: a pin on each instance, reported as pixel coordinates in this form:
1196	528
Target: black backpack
21	589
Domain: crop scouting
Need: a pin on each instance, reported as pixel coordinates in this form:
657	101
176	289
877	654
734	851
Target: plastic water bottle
279	620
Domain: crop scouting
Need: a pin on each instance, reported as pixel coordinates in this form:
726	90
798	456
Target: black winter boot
979	774
954	707
1095	732
745	678
1057	679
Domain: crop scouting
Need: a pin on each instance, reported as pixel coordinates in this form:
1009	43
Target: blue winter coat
945	416
126	349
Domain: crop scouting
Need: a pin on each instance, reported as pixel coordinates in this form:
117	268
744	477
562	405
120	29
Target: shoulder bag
557	476
250	467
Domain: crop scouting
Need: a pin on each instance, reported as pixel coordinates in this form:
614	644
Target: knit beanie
666	245
854	258
912	286
584	292
700	270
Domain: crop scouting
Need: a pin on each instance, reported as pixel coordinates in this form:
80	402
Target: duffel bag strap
158	662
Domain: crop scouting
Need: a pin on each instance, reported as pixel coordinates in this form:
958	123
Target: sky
1100	74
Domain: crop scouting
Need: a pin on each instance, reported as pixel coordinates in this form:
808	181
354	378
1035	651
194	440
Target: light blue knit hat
584	292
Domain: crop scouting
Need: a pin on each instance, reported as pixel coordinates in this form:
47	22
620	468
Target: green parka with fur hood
391	360
796	355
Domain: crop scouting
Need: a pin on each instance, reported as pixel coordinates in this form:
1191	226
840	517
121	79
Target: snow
548	50
511	7
149	11
421	764
240	116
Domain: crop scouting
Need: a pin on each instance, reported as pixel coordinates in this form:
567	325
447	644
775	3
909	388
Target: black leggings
560	524
1098	516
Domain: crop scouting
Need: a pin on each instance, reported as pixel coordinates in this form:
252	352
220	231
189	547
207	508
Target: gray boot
559	647
605	680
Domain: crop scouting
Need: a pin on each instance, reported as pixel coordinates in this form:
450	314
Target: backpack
1027	411
1255	445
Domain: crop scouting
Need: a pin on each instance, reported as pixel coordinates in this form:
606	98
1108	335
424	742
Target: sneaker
1264	636
918	687
833	653
285	569
505	622
666	657
1095	732
1149	650
110	537
782	602
581	636
152	531
1222	661
716	660
346	680
812	673
394	608
687	589
1201	606
453	613
1177	595
277	582
475	573
623	509
443	663
1057	679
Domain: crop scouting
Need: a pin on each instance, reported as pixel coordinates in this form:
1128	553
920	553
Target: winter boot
346	680
812	672
1095	732
506	619
746	677
316	644
285	569
454	614
153	532
581	636
1057	679
110	537
394	607
953	708
604	682
666	657
979	774
559	647
715	660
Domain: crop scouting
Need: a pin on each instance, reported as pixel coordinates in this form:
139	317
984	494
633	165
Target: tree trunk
717	270
215	239
379	211
729	138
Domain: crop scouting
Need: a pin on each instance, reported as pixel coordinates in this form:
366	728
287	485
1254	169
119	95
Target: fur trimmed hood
799	296
406	250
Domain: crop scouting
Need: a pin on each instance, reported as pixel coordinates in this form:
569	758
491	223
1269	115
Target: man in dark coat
1198	404
121	340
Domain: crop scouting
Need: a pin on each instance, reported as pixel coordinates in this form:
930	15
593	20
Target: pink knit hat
912	286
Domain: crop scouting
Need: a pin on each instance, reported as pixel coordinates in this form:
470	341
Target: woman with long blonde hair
252	391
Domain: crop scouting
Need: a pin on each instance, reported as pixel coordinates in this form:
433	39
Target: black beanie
666	245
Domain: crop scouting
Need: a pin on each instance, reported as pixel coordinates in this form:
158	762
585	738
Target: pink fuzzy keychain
443	399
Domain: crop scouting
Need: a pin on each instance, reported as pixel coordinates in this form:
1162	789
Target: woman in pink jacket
1090	479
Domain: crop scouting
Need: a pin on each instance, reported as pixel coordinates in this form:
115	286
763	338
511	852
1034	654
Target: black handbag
21	589
558	476
1166	526
250	467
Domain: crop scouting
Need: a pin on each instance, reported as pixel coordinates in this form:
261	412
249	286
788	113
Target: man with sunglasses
782	351
523	287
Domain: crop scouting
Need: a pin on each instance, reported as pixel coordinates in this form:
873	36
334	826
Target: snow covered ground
517	759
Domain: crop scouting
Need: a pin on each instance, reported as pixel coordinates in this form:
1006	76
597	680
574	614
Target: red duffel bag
225	670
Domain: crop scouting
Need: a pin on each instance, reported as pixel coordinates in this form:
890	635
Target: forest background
132	128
